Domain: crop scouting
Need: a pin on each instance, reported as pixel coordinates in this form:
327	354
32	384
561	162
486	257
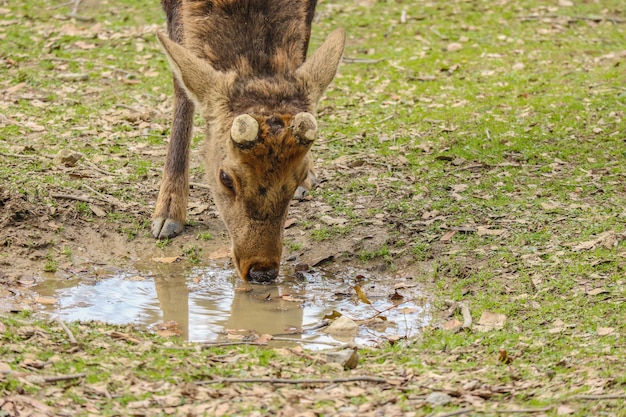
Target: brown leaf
485	231
97	210
46	300
167	260
447	237
84	45
124	336
453	324
396	296
490	321
504	357
605	331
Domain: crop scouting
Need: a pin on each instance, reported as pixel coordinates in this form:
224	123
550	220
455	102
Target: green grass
521	130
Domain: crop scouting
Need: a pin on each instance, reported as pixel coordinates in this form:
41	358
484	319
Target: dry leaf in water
361	294
167	260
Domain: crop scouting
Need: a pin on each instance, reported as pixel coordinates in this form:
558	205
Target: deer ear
197	76
320	69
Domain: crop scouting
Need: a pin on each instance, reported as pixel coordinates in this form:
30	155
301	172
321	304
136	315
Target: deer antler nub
244	130
304	127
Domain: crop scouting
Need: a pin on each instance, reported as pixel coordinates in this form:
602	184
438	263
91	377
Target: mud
188	288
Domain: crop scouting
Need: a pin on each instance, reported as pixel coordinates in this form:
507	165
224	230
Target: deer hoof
163	228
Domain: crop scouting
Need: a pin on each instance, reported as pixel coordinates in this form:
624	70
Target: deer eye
226	180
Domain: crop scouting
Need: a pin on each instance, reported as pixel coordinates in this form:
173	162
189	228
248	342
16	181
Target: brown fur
243	57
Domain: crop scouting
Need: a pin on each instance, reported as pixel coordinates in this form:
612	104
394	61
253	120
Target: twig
73	197
58	6
321	324
75	8
293	381
469	168
361	60
523	410
378	313
613	20
206	345
600	397
100	170
467	316
108	198
18	155
391	116
57	378
67	330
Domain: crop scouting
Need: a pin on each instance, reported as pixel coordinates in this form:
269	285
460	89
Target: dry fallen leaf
504	357
605	331
490	321
486	231
396	296
97	210
167	260
46	300
453	324
447	237
564	410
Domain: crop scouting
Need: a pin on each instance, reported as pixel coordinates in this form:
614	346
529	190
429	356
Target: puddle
210	304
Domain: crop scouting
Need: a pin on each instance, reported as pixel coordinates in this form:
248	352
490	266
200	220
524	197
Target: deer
243	65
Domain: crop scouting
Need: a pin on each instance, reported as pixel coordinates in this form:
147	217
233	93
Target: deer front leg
308	183
170	212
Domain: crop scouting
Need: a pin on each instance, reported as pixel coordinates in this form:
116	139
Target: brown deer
242	64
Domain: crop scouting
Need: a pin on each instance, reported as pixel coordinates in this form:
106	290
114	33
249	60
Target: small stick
467	317
361	60
17	155
523	410
293	381
57	378
600	397
102	171
613	20
207	345
108	198
73	197
67	330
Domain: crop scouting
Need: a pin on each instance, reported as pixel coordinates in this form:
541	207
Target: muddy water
209	303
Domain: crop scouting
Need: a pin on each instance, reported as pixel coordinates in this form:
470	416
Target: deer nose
261	275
